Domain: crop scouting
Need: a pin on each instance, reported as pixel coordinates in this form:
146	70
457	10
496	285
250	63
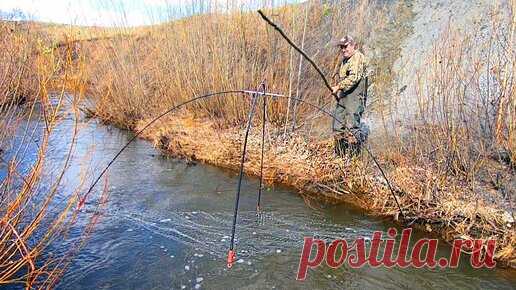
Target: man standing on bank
351	90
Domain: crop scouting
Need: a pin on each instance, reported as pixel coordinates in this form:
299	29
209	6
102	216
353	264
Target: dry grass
17	78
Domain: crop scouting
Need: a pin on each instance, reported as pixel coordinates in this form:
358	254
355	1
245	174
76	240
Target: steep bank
434	24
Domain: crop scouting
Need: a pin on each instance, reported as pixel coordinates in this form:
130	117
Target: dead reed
36	212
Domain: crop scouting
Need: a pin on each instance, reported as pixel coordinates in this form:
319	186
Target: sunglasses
344	46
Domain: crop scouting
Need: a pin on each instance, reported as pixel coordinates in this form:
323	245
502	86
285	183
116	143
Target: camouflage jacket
350	71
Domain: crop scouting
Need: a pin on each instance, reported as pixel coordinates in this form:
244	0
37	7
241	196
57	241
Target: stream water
167	226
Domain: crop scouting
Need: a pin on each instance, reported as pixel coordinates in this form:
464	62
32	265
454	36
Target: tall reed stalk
37	210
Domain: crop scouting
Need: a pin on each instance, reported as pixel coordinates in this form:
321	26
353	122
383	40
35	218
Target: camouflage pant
349	132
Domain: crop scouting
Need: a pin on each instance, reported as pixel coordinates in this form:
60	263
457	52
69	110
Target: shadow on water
167	225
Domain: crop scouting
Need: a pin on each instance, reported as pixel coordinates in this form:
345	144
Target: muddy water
167	226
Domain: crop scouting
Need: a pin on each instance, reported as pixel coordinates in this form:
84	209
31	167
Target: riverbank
436	204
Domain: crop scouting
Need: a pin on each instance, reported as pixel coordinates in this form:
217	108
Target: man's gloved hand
334	90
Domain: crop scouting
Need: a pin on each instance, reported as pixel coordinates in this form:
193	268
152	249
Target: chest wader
348	133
